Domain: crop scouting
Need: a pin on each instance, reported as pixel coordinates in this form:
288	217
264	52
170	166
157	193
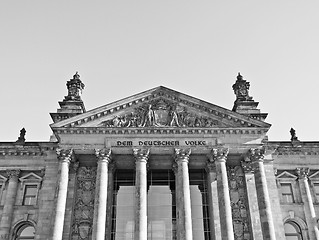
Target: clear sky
124	47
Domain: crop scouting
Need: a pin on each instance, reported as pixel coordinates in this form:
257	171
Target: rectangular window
199	204
123	205
30	195
316	187
286	191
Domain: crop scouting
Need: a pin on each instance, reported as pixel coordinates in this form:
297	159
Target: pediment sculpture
160	113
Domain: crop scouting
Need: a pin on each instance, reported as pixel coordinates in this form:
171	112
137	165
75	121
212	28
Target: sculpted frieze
160	113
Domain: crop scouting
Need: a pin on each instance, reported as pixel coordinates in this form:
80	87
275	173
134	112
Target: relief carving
160	113
84	204
239	203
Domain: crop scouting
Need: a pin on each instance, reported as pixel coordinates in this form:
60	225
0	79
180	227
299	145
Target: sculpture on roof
241	89
293	134
21	138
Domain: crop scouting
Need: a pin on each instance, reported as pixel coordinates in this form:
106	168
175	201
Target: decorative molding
314	175
64	155
302	173
82	221
13	173
219	154
286	175
103	154
31	178
181	154
159	131
141	154
239	203
254	155
249	167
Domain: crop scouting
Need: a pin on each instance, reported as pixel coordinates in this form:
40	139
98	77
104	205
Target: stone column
183	197
141	158
219	156
214	222
256	156
7	213
310	213
64	157
110	195
100	202
249	170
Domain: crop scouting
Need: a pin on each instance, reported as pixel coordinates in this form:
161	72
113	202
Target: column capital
64	155
249	167
103	154
182	154
219	154
302	173
13	173
141	154
254	155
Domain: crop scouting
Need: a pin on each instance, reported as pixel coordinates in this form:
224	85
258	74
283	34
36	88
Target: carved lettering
195	143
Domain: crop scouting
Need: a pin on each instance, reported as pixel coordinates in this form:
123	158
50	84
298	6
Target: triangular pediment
160	108
286	175
315	175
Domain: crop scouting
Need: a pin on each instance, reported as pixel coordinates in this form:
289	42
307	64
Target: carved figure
149	119
173	117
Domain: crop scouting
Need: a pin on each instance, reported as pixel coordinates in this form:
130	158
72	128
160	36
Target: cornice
159	131
24	151
161	92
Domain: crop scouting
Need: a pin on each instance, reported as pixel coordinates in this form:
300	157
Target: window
30	195
123	205
25	232
316	188
292	231
286	191
161	207
199	204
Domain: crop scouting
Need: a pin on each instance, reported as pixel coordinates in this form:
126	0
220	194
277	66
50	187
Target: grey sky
125	47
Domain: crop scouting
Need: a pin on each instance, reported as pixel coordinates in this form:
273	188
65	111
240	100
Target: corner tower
72	104
244	104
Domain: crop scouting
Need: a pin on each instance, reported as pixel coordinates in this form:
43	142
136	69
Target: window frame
30	179
296	227
282	195
20	227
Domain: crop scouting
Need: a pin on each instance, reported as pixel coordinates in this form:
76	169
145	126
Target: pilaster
7	213
311	218
249	170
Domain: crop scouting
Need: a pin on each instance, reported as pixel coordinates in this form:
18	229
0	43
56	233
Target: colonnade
221	223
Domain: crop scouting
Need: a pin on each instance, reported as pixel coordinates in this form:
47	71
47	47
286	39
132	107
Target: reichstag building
159	165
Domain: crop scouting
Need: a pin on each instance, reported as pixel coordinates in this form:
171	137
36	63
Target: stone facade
159	165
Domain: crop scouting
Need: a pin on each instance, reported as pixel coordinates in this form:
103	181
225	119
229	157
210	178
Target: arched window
292	231
25	232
